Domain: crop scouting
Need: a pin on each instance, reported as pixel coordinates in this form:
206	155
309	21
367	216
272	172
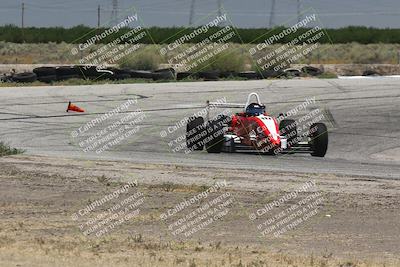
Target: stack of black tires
52	74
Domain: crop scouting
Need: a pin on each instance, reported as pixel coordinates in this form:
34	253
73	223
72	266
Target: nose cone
270	128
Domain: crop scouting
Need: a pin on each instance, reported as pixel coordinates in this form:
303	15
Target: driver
255	109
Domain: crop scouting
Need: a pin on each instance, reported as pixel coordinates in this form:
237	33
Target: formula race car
253	130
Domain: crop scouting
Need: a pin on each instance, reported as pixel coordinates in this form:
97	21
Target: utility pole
298	10
191	16
22	14
272	15
98	16
398	57
114	13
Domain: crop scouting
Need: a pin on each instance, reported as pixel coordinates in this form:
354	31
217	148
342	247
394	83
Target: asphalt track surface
362	116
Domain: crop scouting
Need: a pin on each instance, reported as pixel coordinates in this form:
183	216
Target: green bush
6	150
148	58
229	60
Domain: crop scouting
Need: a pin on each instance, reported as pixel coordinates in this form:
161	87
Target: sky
243	13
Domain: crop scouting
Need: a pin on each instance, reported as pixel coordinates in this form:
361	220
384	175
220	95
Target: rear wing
230	105
212	105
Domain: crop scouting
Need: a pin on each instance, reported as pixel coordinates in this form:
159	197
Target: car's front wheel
319	139
194	133
215	136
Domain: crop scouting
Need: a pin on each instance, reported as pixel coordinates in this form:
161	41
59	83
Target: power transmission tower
220	12
298	10
114	12
192	4
272	15
219	7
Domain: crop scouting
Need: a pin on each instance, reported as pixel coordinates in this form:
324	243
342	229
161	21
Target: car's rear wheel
319	139
194	133
215	136
288	128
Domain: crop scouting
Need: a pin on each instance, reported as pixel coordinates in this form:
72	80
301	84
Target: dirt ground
71	212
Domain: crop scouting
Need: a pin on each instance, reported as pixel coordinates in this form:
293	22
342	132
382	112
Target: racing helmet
255	109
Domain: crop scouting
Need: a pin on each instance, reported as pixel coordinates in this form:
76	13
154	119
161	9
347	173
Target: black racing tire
90	72
141	74
209	75
194	129
290	73
47	79
45	71
228	74
164	74
265	74
319	139
24	77
312	71
288	128
67	71
184	75
249	75
215	137
67	77
122	76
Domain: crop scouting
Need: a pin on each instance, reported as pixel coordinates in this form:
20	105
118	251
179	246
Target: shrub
148	58
229	60
6	150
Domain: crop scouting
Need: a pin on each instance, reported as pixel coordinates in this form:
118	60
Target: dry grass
52	53
136	250
39	195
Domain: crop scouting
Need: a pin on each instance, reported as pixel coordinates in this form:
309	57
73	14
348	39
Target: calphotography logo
110	129
278	49
196	49
281	215
199	212
188	133
102	215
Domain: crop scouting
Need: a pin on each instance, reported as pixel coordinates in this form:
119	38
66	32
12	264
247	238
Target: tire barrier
312	71
249	75
164	74
68	71
209	75
184	75
228	74
371	73
25	77
141	74
47	79
45	71
51	74
289	73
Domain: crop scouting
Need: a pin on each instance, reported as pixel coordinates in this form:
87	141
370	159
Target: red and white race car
253	130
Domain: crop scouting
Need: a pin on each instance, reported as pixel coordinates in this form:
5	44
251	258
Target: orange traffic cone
72	107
